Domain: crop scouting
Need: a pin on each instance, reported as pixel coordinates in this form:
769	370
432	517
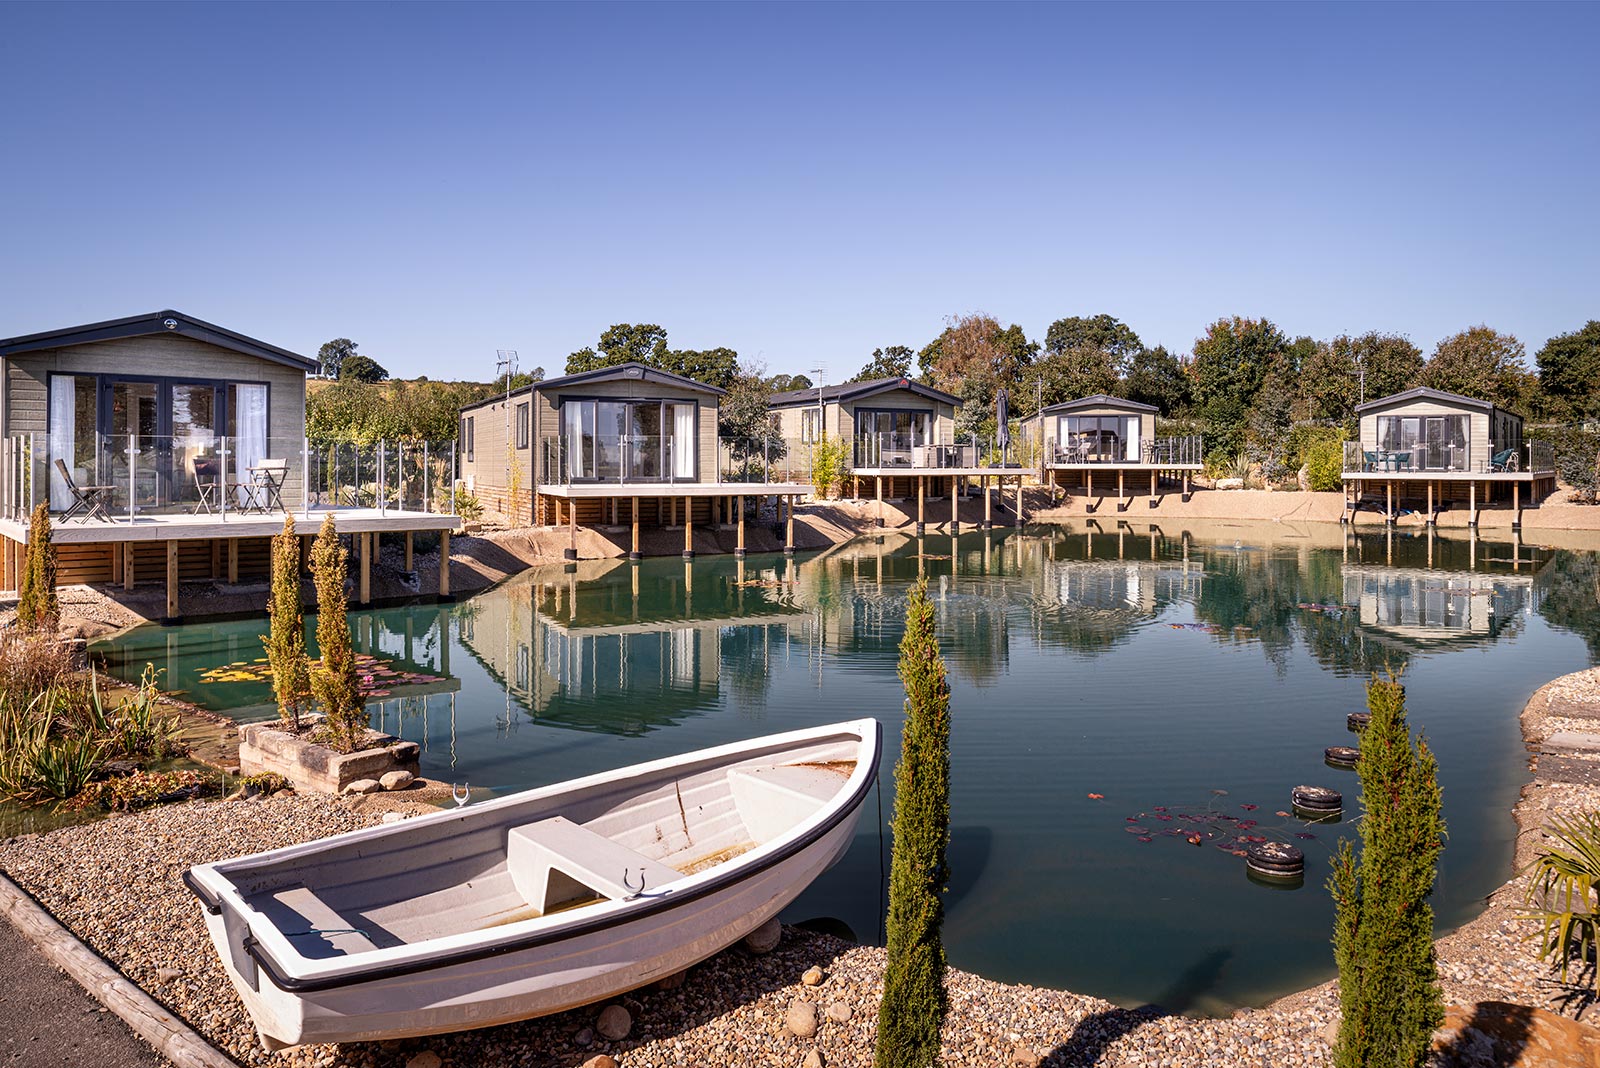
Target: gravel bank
116	884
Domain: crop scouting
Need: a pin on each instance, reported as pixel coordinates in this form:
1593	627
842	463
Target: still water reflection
1105	678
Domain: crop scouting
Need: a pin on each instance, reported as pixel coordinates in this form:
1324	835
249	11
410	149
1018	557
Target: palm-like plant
1566	877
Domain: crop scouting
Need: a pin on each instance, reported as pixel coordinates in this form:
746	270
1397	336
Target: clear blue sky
800	183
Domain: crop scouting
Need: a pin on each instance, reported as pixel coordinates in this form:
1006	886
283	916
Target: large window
154	440
467	436
889	436
629	441
1098	439
810	424
1423	442
522	425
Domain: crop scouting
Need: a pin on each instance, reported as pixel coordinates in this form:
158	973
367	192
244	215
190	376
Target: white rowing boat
537	902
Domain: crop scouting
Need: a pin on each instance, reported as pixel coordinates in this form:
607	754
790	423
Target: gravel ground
116	884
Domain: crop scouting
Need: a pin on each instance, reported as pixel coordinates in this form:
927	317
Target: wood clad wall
165	356
1478	438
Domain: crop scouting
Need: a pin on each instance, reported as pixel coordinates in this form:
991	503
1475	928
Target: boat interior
509	862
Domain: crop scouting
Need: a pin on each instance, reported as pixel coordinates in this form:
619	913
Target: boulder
802	1019
839	1011
584	1037
1023	1057
363	786
812	976
1230	484
764	939
1497	1034
426	1059
614	1023
396	780
813	1059
601	1060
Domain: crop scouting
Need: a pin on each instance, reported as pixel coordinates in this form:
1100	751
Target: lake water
1189	678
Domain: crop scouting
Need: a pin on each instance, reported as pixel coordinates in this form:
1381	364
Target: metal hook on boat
462	797
627	884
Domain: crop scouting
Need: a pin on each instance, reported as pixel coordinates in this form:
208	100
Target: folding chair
269	475
207	484
88	502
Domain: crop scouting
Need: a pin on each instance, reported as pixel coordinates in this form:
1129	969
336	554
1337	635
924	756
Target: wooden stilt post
444	577
921	518
1186	485
1430	502
633	554
788	539
1088	484
880	500
366	566
688	529
216	559
233	561
1472	503
172	580
1152	485
988	504
127	565
1121	495
1019	500
410	551
1516	506
675	512
571	551
738	548
955	503
1388	506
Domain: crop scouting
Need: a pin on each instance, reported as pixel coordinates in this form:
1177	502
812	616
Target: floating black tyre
1341	756
1275	860
1357	721
1316	802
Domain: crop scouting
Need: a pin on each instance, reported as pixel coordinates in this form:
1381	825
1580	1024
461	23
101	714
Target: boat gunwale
335	973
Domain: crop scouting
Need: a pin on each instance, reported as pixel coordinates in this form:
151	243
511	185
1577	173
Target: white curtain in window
683	441
1133	439
62	435
250	431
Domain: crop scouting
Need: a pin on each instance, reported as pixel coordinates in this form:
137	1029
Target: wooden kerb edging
147	1018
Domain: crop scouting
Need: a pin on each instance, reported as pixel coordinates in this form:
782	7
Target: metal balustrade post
381	488
427	476
452	478
133	464
222	481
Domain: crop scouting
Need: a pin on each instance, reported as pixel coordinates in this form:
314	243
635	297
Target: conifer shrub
37	608
1389	992
286	640
334	681
913	1005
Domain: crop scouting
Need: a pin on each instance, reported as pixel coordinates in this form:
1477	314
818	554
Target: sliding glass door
629	440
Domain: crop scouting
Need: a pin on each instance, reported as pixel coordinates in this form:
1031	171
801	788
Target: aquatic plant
145	788
1565	890
334	682
914	1003
286	639
37	608
1389	992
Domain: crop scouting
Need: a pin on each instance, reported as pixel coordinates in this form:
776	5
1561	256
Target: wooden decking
200	547
1440	489
666	505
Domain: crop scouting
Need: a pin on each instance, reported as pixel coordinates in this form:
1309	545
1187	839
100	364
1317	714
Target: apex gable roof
1424	393
1102	400
632	370
161	322
849	391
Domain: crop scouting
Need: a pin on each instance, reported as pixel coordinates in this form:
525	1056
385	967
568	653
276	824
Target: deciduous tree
332	355
1569	372
1156	377
1231	361
1103	333
1331	375
358	368
1479	362
893	361
646	343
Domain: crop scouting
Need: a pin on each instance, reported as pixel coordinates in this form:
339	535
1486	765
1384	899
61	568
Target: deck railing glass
1186	449
128	477
1467	458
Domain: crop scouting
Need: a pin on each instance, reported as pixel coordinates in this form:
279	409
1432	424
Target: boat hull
532	971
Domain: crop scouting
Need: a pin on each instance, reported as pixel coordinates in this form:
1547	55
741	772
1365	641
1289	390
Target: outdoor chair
207	484
1504	460
88	502
269	476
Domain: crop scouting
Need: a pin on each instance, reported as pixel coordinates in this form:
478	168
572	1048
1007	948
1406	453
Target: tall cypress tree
334	681
913	1003
286	642
38	611
1383	931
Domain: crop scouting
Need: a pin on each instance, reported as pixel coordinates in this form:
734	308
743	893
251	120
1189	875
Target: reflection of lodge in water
1434	591
604	654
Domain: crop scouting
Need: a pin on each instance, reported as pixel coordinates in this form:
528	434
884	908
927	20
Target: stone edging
168	1035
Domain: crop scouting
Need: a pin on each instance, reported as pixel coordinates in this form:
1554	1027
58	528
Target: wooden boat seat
556	861
773	799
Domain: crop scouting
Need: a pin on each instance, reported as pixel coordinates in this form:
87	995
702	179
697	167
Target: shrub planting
334	681
286	641
37	608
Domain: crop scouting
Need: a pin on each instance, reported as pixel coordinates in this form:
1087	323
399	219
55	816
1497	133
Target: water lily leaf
1097	797
1249	807
1304	834
1146	839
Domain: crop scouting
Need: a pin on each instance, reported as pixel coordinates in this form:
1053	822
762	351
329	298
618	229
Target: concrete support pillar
688	530
172	580
444	583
